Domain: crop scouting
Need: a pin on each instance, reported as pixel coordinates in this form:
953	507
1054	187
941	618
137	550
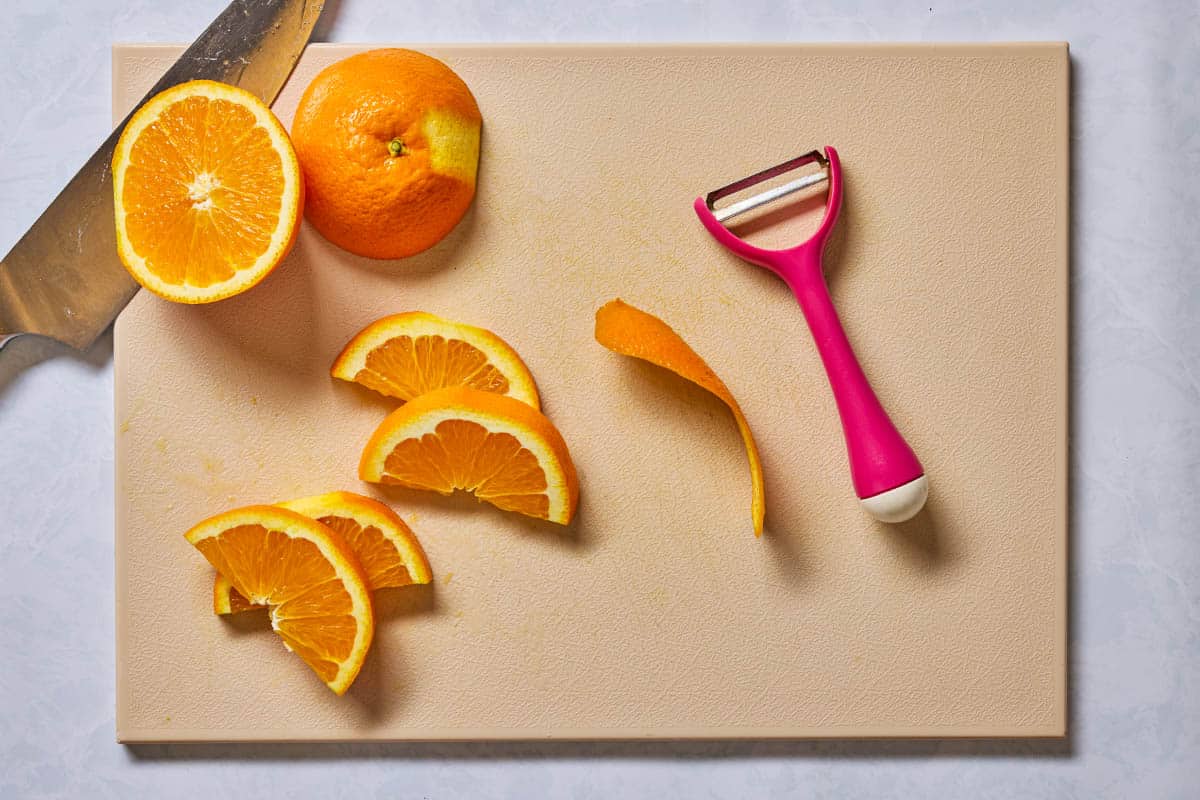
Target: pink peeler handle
886	474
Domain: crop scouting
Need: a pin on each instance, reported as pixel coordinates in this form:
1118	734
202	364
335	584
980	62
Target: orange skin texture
360	196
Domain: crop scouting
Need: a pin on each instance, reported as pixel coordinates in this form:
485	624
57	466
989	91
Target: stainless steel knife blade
63	279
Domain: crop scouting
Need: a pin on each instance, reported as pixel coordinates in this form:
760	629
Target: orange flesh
375	553
406	368
505	451
311	609
465	455
203	192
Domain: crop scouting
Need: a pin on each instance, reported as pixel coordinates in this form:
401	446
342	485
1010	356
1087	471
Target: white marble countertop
1135	649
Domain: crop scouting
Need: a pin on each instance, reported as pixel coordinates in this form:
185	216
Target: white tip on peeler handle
899	504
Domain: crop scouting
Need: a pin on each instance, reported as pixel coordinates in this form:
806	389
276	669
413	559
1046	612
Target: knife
64	279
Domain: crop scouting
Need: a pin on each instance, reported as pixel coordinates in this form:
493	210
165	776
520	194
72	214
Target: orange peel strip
632	332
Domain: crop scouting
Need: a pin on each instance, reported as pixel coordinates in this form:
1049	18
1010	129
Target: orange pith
207	192
410	354
318	594
228	600
384	545
389	142
630	331
502	450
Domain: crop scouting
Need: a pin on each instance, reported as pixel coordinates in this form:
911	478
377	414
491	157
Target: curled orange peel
632	332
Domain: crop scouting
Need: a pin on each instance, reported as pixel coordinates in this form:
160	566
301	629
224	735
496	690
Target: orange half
317	592
503	451
632	332
207	192
384	545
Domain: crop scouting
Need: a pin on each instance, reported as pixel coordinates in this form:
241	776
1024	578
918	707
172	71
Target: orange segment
627	330
505	452
207	192
409	354
384	545
317	592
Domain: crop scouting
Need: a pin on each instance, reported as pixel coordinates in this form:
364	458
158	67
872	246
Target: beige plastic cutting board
658	613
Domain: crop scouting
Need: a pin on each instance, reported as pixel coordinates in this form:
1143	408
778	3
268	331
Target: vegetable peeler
888	479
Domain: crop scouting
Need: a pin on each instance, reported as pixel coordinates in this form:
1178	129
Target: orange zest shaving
632	332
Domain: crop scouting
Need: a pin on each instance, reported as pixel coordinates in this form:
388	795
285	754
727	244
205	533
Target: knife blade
63	279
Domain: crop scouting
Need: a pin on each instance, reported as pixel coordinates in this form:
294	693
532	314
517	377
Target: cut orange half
630	331
406	355
317	592
384	545
207	192
499	448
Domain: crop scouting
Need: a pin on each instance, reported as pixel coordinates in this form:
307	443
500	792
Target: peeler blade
770	195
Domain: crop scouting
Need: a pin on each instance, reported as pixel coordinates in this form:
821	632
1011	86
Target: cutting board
657	613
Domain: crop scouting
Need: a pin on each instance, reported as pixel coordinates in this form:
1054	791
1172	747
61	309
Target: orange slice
317	592
207	192
406	355
627	330
384	545
505	452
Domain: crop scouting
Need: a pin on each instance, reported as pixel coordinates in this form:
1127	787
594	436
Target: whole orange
389	144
